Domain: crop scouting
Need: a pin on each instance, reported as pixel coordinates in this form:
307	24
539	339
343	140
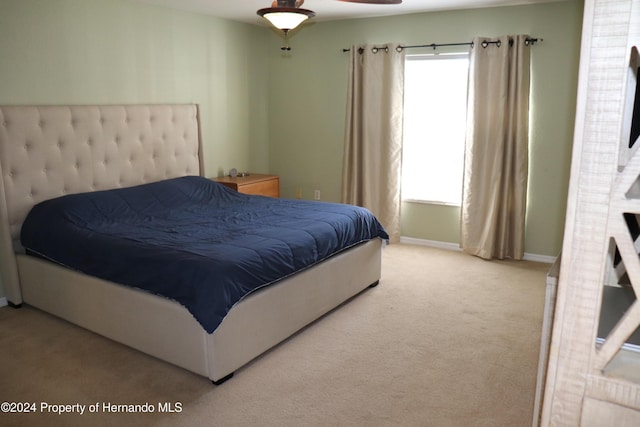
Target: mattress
193	240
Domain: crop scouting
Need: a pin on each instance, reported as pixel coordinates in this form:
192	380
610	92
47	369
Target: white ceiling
328	10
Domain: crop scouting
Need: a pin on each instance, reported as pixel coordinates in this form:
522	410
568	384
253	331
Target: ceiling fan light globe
285	19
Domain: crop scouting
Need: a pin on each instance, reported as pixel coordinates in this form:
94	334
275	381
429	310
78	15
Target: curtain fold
371	172
496	149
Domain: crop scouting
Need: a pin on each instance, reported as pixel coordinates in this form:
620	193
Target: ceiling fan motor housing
286	3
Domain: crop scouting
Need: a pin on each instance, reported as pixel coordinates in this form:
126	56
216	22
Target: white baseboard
431	243
456	247
547	259
3	302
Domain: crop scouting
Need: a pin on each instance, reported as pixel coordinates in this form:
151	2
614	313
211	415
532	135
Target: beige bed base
49	151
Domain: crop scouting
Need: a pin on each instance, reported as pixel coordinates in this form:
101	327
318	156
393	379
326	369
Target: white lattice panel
588	382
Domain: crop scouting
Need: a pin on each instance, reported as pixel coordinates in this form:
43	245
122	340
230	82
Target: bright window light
435	101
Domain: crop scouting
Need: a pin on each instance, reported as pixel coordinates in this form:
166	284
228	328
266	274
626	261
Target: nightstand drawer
258	184
269	188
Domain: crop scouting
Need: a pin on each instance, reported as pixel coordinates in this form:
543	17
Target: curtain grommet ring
399	49
485	43
374	49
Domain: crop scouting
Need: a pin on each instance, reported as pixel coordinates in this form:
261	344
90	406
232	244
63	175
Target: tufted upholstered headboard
49	151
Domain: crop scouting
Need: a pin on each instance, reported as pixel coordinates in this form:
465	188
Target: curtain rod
485	43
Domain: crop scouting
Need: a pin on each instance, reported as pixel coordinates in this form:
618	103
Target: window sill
431	202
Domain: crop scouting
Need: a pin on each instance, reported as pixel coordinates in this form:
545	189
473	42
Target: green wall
120	51
307	96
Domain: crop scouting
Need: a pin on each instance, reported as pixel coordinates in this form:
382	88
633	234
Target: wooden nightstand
263	185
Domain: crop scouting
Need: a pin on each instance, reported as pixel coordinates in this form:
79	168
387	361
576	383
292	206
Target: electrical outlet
298	193
316	194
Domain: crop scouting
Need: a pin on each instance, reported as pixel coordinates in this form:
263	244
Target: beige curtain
371	173
496	152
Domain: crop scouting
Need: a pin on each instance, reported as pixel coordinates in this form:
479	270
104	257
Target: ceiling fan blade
373	1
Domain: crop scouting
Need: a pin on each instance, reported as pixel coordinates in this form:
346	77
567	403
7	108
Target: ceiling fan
286	15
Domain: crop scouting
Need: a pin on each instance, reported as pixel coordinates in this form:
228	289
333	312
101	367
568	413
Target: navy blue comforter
193	240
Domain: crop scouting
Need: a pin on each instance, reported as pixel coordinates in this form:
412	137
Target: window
435	100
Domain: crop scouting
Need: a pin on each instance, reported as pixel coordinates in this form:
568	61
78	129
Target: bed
72	152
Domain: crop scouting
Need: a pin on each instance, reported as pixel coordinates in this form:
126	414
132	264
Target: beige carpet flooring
446	339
